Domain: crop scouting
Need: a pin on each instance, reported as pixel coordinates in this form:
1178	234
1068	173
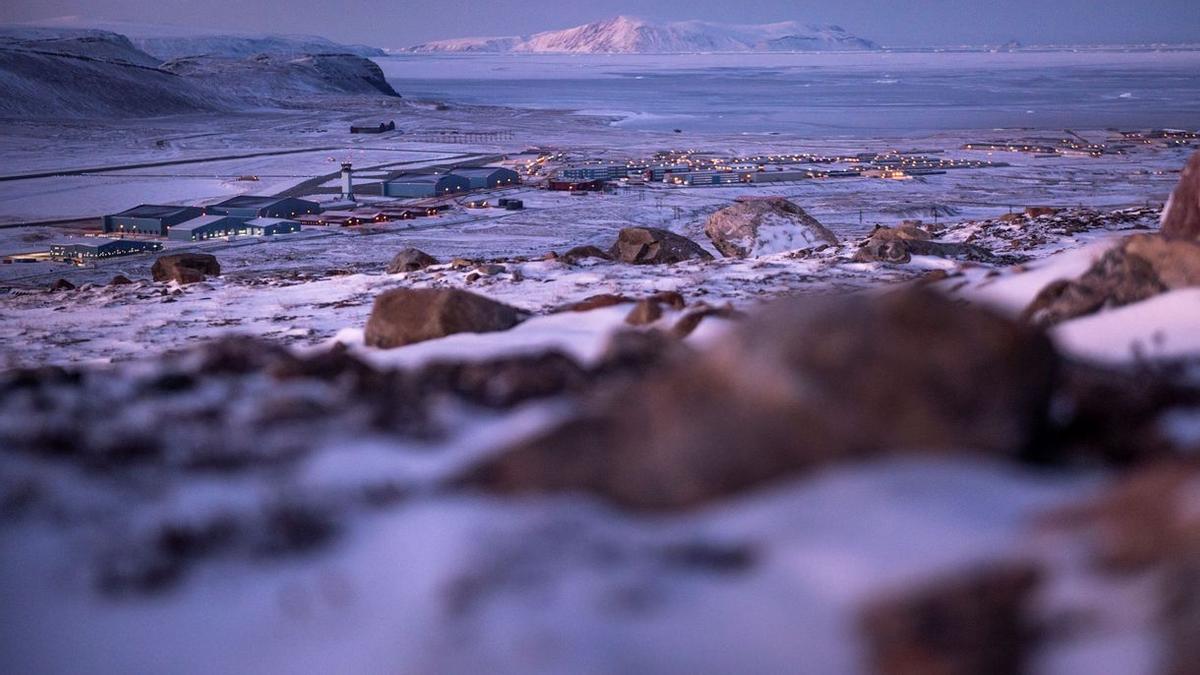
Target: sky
397	23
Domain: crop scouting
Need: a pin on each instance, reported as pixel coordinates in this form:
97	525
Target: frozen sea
842	94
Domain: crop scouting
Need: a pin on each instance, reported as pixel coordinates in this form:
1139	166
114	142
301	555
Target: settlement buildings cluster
265	216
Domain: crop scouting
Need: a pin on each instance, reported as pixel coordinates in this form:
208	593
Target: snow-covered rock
757	227
630	35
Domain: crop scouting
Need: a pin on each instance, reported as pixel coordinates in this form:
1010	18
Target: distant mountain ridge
631	35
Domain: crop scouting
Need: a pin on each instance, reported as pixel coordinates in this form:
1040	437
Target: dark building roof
250	202
420	178
478	170
153	211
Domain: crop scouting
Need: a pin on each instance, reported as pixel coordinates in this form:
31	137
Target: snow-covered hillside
89	74
85	72
630	35
167	42
266	78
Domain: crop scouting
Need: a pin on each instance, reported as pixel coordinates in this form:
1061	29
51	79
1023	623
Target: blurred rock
120	280
647	310
1175	262
697	313
62	285
1181	215
802	383
185	268
406	315
504	382
652	246
1140	267
1116	279
974	624
410	260
763	226
593	302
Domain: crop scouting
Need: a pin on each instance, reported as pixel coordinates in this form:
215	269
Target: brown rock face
1181	216
1176	262
802	383
410	260
406	315
62	285
120	280
1141	267
1116	279
764	226
652	246
185	268
977	624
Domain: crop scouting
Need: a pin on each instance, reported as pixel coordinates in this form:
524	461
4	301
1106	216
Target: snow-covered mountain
167	42
630	35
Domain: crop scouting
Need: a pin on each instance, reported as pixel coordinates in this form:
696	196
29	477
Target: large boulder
757	227
803	383
652	246
406	315
1181	215
185	268
1140	267
410	260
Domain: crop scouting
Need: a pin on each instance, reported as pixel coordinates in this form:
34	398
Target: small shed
425	185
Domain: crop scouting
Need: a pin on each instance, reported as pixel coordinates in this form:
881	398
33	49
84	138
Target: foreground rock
899	244
410	260
1181	215
754	227
803	383
652	246
977	624
1139	268
407	315
185	268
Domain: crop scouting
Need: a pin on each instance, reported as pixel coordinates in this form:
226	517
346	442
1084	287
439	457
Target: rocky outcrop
899	244
410	260
976	624
62	285
120	280
803	383
573	256
755	227
1181	215
1140	267
407	315
652	246
185	268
